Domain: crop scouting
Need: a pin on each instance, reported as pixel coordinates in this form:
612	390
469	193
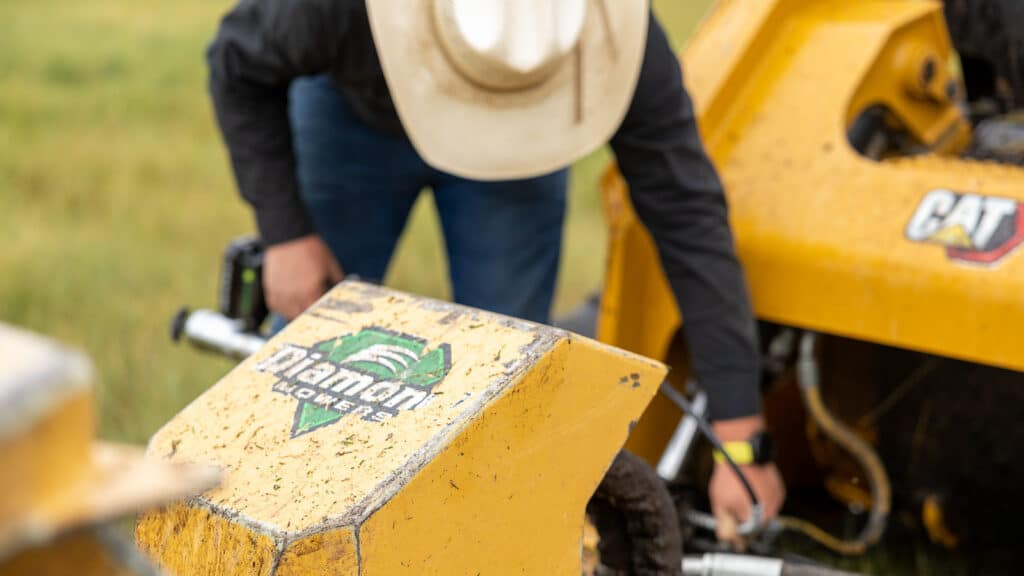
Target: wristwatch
758	450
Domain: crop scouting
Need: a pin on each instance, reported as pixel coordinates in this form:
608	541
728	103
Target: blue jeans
359	184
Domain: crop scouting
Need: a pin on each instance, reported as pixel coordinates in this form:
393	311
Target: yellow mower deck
382	433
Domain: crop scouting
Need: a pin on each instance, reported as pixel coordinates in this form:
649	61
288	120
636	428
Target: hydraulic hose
753	524
809	377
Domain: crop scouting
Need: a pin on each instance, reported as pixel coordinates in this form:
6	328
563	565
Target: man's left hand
730	502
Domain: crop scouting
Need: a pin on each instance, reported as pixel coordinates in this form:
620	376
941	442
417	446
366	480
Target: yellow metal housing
382	433
87	552
831	240
821	230
61	490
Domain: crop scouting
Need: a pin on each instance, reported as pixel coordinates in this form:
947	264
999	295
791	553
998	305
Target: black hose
636	518
683	404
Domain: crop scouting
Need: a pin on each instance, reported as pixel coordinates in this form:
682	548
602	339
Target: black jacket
262	45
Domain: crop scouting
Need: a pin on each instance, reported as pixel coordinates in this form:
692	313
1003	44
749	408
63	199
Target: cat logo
974	229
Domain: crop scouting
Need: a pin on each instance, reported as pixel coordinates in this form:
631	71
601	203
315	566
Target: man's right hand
296	273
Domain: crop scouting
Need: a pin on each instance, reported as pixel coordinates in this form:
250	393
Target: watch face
763	447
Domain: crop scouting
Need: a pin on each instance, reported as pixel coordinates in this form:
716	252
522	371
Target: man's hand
729	500
296	273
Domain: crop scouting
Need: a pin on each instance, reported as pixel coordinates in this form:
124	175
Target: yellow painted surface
514	430
47	425
326	553
933	518
822	231
508	495
293	484
46	455
60	487
639	316
78	553
184	540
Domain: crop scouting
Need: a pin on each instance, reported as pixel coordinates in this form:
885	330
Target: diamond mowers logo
374	373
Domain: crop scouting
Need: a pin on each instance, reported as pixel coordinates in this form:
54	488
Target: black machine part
636	519
809	379
989	36
763	448
234	329
241	284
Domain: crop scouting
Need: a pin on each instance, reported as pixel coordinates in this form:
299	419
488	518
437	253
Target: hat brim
465	129
120	481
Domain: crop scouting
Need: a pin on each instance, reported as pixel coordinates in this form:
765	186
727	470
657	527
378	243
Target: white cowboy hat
55	476
499	89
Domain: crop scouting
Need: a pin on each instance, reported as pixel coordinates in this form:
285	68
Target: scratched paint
466	389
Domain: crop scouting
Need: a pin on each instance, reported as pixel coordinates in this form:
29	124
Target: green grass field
117	197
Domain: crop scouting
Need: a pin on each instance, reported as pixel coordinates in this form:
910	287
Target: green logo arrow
309	417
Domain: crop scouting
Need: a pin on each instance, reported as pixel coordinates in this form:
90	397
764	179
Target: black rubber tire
637	520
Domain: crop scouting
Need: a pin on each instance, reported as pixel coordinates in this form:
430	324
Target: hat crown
506	89
509	44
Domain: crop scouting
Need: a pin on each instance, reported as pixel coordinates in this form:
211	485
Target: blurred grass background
116	198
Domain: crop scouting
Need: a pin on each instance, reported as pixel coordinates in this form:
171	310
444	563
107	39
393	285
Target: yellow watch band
741	452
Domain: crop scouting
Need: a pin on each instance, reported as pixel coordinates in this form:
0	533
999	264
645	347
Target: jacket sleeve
677	194
260	47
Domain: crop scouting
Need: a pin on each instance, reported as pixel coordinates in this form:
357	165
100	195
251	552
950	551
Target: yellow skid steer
877	208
